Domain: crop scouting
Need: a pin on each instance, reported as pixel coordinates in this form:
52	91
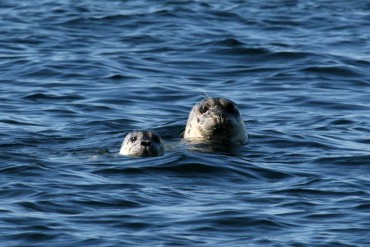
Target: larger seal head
216	120
142	143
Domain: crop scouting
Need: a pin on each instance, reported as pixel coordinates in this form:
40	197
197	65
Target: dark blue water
77	76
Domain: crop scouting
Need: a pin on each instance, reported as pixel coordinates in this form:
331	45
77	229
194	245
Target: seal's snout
146	143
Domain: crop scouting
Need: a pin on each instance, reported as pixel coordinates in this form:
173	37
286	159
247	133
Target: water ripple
76	78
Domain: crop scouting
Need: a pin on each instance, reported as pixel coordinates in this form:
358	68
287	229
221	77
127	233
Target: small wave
14	122
42	73
231	46
334	71
353	160
52	97
49	207
110	203
31	237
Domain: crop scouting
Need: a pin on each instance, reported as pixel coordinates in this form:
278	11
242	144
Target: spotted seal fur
216	120
142	143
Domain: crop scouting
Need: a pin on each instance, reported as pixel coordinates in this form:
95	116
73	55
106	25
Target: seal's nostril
146	144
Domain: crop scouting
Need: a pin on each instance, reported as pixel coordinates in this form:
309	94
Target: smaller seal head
142	143
216	120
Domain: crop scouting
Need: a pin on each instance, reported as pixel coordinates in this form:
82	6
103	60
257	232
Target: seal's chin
221	130
149	151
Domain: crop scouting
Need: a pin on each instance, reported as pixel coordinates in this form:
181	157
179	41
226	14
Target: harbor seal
142	143
216	120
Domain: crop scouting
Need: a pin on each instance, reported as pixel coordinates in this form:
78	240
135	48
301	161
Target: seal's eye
156	139
203	109
231	108
133	139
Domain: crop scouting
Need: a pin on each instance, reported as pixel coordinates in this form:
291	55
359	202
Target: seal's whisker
207	96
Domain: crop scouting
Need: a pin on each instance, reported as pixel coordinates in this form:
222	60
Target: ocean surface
77	76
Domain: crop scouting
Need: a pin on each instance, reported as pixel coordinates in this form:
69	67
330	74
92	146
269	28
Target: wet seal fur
216	120
142	143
